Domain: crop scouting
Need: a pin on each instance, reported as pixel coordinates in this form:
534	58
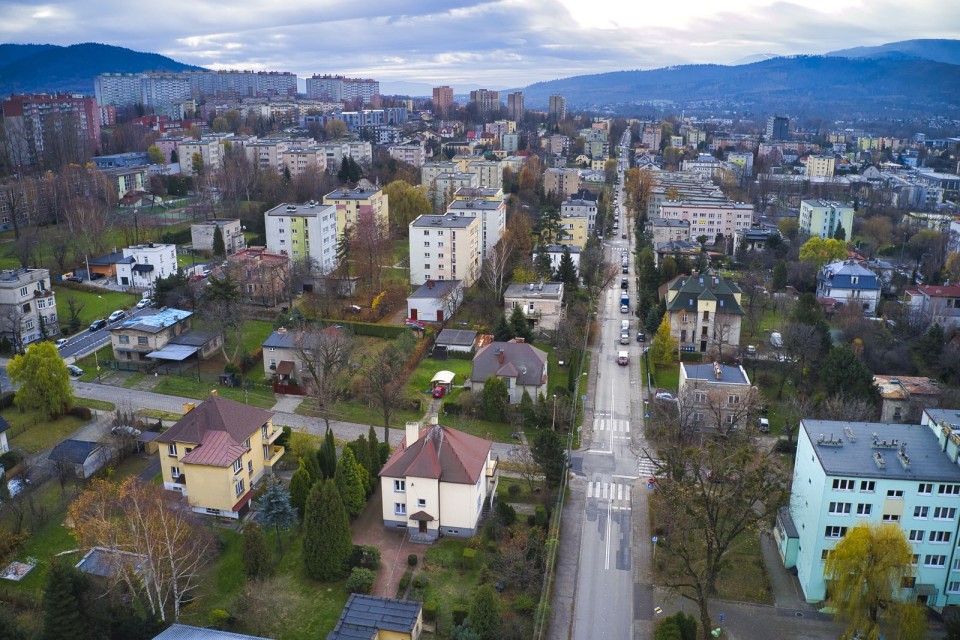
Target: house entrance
423	526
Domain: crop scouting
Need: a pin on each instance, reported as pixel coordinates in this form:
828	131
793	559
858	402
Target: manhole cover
799	614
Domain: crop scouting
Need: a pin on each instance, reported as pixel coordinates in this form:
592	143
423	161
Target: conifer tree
327	455
219	248
327	545
374	445
256	557
566	270
485	616
300	485
519	325
64	611
274	509
349	483
502	332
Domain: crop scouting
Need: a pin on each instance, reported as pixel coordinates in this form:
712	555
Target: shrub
412	559
540	516
523	604
782	446
365	556
531	519
6	399
506	514
283	440
404	582
429	611
10	459
360	580
469	558
218	618
485	576
513	490
83	413
421	582
452	408
474	542
459	615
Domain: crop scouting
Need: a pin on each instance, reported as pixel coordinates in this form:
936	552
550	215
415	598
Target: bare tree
844	409
522	460
324	355
60	242
720	336
496	267
27	249
385	380
729	411
369	242
450	301
11	324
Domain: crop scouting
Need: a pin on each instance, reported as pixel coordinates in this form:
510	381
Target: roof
186	632
458	337
73	451
285	339
854	457
468	205
450	220
940	291
443	377
520	360
103	562
364	615
902	387
435	289
729	374
194	338
692	288
847	268
4	425
153	320
176	352
534	290
218	426
559	248
106	259
787	519
440	453
668	222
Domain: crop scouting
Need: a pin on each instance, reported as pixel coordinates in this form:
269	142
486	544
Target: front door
439	315
423	526
703	346
413	314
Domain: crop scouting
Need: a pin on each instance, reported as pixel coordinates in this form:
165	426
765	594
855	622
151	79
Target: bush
540	517
452	408
284	439
360	580
10	459
6	399
366	556
469	558
513	490
429	611
531	519
782	446
404	582
374	330
485	576
459	615
219	619
421	582
506	514
412	559
523	604
83	413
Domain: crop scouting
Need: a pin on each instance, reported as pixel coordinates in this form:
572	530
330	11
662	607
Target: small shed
457	340
86	458
443	379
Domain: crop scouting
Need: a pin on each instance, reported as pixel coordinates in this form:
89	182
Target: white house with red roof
439	480
937	304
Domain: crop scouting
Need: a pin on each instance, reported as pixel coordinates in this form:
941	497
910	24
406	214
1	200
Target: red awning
285	368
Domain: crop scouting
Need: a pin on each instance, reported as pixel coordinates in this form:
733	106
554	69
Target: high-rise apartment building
39	125
305	231
558	107
442	99
341	89
117	89
515	108
487	101
777	128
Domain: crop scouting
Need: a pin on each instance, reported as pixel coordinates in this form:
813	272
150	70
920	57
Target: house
28	307
755	238
216	453
136	338
905	397
143	264
848	473
457	340
262	275
541	303
704	311
82	457
202	234
682	248
105	265
378	619
435	300
283	353
935	304
718	396
667	229
179	631
439	480
521	365
849	282
4	427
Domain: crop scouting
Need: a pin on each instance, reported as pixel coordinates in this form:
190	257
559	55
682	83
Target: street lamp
553	425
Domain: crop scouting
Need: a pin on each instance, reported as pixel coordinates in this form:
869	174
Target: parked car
61	343
776	340
75	279
125	430
74	370
751	350
623	236
144	303
97	276
439	391
664	396
641	337
98	324
624	284
624	308
119	314
352	309
764	425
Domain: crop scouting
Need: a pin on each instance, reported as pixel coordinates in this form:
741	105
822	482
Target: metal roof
457	337
153	321
364	615
729	374
186	632
177	352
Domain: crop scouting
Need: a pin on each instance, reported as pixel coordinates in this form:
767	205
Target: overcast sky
470	43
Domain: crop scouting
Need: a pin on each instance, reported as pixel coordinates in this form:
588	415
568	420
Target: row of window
865	509
869	486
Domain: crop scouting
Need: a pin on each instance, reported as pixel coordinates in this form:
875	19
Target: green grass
450	585
419	380
90	403
525	495
95	305
667	376
134	380
188	387
89	363
33	432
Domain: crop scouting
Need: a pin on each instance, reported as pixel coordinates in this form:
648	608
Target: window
426	244
956	565
834	532
895	493
842	485
944	513
916	535
934	561
699	397
399	509
249	466
925	488
839	508
171	449
940	537
864	509
23	291
916	559
868	486
825	555
142	340
238	487
921	512
706	315
174	472
400	486
733	399
237	465
421	502
953	587
891	517
949	489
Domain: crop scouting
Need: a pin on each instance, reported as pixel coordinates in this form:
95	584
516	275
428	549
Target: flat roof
849	449
445	221
729	374
534	290
153	322
457	337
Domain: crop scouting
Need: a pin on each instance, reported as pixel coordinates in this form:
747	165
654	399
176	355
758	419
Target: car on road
624	284
61	343
624	308
623	358
74	370
439	391
119	314
623	236
641	337
144	303
98	324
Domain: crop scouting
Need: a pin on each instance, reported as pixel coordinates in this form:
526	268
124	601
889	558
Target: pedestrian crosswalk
617	493
647	468
614	425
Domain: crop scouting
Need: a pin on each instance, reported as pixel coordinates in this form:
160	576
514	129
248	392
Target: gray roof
153	320
558	248
435	289
855	457
194	338
729	374
103	562
521	360
73	451
278	340
459	337
847	268
539	290
364	615
950	416
289	339
447	221
106	259
787	519
668	222
468	205
186	632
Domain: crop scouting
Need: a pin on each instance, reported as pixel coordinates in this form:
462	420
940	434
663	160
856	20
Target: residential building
717	397
413	154
556	251
821	166
756	238
117	89
489	172
133	339
179	631
210	152
581	206
217	453
522	367
307	231
704	313
905	397
32	121
442	100
557	107
541	303
446	247
848	473
935	304
487	102
4	444
298	161
284	353
562	182
849	282
262	275
28	308
651	137
777	128
515	108
666	229
127	179
709	216
351	204
492	214
143	264
202	234
430	171
438	481
340	89
374	618
80	457
510	142
690	249
574	231
821	218
435	300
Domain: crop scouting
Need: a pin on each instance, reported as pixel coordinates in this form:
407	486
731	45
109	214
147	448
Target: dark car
623	283
97	276
641	337
74	370
98	324
74	279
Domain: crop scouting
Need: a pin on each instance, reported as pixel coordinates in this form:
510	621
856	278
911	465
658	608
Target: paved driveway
393	544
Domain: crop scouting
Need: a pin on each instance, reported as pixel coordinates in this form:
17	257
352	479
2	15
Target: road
86	341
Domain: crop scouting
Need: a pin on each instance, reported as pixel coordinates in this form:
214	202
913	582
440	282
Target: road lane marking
609	518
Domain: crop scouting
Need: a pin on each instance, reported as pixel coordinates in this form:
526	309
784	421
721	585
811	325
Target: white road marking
609	518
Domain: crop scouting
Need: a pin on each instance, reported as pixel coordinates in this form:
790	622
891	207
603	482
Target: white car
119	314
146	302
624	309
60	344
763	425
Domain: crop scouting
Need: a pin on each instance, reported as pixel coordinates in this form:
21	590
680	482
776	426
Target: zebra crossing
647	468
613	425
618	493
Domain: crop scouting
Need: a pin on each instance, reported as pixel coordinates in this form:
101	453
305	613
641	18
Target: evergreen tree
256	557
840	233
541	263
502	332
311	460
374	444
780	276
527	411
548	452
519	325
9	629
496	399
654	317
65	610
274	509
327	455
349	483
485	617
219	248
327	546
300	485
361	453
843	374
567	271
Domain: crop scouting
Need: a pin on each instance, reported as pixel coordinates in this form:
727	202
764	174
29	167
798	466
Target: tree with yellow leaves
821	252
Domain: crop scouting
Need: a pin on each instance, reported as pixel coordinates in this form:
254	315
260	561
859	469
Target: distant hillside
796	85
947	51
49	68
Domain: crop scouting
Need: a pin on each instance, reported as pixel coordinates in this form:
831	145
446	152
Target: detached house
935	303
849	282
704	311
541	303
522	366
216	454
438	480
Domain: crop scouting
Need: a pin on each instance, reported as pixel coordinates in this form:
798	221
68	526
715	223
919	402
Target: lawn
667	376
33	432
450	585
188	387
419	380
94	305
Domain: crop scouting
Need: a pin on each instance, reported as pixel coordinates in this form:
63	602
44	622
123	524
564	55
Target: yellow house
216	454
574	231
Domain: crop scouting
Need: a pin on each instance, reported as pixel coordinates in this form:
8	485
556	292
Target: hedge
429	611
469	558
373	329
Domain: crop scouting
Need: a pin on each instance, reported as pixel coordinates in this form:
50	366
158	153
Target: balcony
272	436
493	466
46	293
274	452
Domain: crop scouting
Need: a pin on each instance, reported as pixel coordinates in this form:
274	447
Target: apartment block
352	203
32	120
492	214
442	99
446	247
413	154
562	182
210	152
705	313
487	101
304	232
515	108
202	233
821	166
300	160
709	216
821	218
28	308
557	107
341	89
581	207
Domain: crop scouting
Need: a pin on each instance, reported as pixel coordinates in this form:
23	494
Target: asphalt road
86	341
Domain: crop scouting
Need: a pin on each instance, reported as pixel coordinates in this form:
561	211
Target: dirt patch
394	546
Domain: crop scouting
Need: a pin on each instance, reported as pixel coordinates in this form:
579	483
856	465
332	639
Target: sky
467	44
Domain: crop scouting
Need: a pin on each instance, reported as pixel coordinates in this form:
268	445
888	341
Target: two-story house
136	339
522	367
718	397
849	282
143	264
541	302
438	480
217	453
202	233
903	398
705	313
935	304
284	350
262	275
28	308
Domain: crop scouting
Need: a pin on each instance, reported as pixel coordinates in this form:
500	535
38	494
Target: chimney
188	407
500	355
281	330
413	432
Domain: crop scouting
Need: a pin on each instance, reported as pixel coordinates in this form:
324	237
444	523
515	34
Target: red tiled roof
218	427
440	453
940	291
218	449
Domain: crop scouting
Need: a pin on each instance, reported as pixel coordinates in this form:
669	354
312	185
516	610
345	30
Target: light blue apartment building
848	473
